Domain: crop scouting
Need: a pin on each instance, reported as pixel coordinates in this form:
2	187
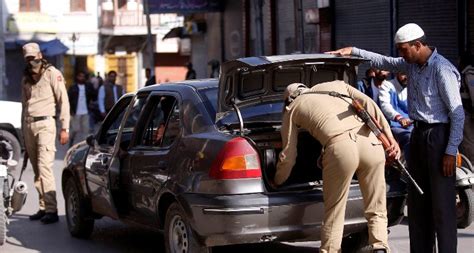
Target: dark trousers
432	215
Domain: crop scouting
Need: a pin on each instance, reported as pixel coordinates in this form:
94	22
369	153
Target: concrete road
25	236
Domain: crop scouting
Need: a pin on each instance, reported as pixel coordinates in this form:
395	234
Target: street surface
26	236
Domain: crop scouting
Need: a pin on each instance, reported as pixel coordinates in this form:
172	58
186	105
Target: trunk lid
256	81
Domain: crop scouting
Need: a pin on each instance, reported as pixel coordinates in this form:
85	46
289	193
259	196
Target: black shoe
50	218
38	215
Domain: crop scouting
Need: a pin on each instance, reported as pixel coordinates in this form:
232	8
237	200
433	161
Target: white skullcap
408	32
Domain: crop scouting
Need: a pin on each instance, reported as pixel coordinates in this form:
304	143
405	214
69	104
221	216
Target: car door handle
162	165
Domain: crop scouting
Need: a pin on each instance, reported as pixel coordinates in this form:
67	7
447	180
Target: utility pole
259	43
301	17
3	76
149	39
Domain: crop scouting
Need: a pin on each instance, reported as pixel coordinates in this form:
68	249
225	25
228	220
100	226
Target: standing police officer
43	91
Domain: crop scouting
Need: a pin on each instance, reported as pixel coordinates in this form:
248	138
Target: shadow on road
111	236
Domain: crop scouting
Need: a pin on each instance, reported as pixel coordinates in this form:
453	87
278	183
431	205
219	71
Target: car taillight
238	159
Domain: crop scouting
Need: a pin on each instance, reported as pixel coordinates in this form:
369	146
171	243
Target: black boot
38	215
50	218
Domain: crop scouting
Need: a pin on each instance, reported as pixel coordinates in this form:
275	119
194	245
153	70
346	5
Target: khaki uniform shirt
49	93
324	117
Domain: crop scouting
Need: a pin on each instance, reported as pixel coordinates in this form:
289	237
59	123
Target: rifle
377	130
374	126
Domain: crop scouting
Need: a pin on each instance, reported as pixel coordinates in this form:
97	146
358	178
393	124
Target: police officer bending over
349	147
43	90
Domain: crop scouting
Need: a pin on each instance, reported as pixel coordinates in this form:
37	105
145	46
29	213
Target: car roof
197	84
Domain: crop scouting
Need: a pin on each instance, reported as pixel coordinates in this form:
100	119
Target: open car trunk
305	174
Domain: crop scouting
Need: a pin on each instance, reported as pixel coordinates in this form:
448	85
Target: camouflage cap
31	49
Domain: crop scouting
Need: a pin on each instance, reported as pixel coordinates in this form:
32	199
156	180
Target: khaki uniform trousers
40	137
344	155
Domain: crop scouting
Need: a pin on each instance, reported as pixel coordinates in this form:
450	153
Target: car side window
111	124
173	128
161	109
134	113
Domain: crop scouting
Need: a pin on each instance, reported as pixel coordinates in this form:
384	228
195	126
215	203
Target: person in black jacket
80	95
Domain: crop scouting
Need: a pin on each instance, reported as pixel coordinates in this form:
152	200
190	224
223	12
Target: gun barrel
405	172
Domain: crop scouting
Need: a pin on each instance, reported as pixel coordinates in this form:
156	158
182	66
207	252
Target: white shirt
391	86
81	100
101	97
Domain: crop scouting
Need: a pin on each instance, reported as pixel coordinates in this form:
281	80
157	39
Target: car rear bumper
294	216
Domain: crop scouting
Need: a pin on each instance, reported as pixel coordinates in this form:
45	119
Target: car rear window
209	98
261	112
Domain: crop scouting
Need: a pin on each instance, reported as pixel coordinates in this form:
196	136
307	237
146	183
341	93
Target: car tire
464	207
10	138
179	237
356	242
79	220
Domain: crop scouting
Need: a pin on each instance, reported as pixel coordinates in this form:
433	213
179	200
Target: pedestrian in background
215	68
150	79
43	92
191	74
109	93
372	87
434	103
81	95
393	103
348	150
365	83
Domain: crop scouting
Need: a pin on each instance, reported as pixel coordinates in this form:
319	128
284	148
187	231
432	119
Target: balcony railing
125	18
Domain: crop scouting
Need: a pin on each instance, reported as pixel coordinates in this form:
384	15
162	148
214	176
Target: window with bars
30	5
78	5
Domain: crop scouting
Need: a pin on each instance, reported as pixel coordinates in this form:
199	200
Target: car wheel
179	237
355	242
464	207
78	212
10	138
3	215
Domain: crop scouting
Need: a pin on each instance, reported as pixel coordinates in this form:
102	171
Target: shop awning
48	48
177	32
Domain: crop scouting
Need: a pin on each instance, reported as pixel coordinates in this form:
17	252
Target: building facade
67	32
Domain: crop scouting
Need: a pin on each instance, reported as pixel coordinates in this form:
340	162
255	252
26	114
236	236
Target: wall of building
471	27
234	30
439	20
285	25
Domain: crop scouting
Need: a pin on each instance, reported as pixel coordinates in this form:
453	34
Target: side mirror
90	140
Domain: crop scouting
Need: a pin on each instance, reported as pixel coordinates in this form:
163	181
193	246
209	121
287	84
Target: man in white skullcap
349	148
434	103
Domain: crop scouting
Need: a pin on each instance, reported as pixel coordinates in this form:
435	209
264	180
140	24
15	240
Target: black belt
422	124
34	119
